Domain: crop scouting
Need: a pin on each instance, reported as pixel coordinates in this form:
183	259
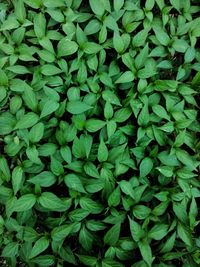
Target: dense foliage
99	133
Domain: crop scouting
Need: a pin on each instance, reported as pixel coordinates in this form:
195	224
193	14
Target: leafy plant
99	133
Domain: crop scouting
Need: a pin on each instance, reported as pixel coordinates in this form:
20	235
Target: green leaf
162	36
118	42
49	70
61	232
184	234
66	154
145	251
44	179
146	166
10	250
66	47
50	201
118	4
39	246
180	45
115	197
4	168
158	231
160	112
186	159
39	25
141	212
25	202
126	77
36	133
102	152
27	121
94	125
49	107
17	179
72	181
91	48
87	260
143	118
86	239
29	98
90	205
112	236
126	188
97	7
136	230
77	107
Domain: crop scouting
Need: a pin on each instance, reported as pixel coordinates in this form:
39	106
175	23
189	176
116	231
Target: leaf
61	232
44	179
115	197
87	260
17	179
39	246
39	25
158	231
4	168
145	251
102	152
126	188
143	118
97	7
25	202
141	212
162	36
10	250
92	48
27	121
126	77
160	112
168	246
66	154
74	182
186	159
184	234
49	107
29	98
77	107
66	47
36	133
94	125
180	45
136	230
90	205
49	70
50	201
146	166
118	42
118	4
112	236
85	239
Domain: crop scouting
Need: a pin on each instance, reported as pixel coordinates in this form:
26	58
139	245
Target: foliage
99	133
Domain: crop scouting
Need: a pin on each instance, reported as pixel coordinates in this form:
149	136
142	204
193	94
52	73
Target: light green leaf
44	179
126	77
77	107
66	47
112	236
146	166
74	182
94	125
49	107
39	246
25	202
27	121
